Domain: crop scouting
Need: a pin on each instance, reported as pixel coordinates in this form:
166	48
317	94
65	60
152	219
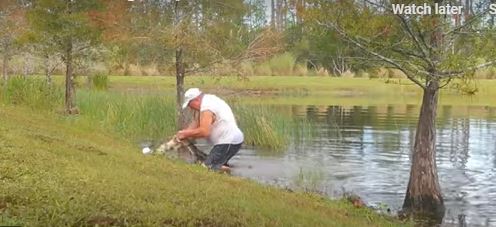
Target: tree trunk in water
70	106
423	196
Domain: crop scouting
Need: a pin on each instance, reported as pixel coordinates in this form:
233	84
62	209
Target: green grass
263	125
98	81
137	117
280	84
147	116
34	92
152	117
310	90
61	173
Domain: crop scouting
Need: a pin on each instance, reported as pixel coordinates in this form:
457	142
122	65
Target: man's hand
181	135
206	120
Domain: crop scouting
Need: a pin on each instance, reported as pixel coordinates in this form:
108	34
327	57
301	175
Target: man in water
216	123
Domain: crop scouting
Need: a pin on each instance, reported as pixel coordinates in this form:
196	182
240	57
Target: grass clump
267	128
33	92
310	181
282	65
98	81
259	130
133	116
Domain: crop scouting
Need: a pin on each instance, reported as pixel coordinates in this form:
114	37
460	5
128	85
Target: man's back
224	128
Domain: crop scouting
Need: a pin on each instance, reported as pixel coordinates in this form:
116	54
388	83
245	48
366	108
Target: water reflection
366	150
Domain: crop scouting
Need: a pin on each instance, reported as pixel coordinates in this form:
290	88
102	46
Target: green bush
98	81
282	65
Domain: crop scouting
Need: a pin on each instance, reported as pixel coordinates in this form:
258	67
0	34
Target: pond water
367	149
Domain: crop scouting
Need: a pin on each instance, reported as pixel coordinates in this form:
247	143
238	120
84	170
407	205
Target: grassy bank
339	85
309	90
56	173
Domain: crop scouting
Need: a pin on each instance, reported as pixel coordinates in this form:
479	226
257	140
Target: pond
367	149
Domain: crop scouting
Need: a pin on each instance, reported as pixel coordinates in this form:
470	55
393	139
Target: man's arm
206	120
196	118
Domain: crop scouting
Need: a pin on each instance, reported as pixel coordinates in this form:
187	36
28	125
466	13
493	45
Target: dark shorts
221	154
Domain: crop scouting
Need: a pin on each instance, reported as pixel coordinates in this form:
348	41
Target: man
216	123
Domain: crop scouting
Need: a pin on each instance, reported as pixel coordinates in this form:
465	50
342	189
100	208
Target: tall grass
310	181
260	128
152	117
32	92
137	117
266	127
98	81
282	65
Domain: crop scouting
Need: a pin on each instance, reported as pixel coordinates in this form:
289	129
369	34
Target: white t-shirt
224	129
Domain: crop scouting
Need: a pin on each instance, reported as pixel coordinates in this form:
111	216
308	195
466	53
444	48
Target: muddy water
366	150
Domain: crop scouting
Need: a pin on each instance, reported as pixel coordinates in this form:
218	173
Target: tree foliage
64	27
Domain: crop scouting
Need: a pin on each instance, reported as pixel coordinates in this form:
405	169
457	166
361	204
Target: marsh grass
133	116
98	82
32	92
145	117
310	180
266	127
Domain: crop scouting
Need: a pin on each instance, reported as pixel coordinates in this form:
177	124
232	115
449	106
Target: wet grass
63	173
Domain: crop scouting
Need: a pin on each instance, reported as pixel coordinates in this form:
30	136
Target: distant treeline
222	37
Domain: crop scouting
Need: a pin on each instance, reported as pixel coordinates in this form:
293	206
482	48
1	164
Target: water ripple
366	150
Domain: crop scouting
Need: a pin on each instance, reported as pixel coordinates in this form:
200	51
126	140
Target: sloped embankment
57	173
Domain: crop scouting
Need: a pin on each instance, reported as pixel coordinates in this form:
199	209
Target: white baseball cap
189	95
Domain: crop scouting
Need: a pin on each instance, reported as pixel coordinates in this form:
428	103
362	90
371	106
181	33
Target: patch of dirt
45	138
356	201
196	222
3	205
103	221
90	149
50	140
4	202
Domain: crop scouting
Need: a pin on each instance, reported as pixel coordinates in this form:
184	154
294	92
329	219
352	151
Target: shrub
98	81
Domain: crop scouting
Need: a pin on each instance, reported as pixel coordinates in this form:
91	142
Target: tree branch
419	45
447	74
375	54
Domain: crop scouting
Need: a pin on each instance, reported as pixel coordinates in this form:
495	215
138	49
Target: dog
182	149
